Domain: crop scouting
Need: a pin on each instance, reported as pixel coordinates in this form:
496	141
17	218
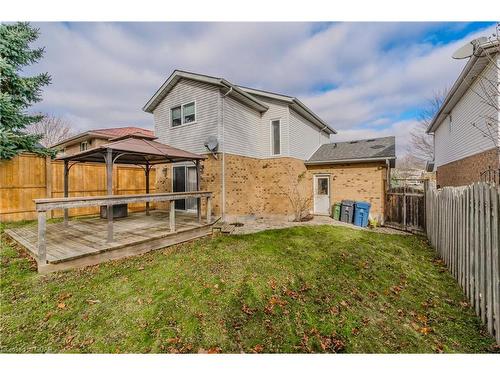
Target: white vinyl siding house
240	128
455	137
188	136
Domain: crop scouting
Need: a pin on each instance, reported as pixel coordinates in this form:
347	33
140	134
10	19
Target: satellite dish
212	143
464	51
469	49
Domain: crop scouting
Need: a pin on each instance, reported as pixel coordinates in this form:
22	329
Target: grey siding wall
461	139
247	132
242	127
190	137
305	137
277	110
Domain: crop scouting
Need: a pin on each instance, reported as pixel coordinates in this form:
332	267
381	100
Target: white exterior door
321	194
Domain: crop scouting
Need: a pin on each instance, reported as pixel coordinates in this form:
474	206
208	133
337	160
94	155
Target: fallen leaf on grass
247	310
173	340
258	348
426	330
48	316
93	301
61	305
334	310
214	350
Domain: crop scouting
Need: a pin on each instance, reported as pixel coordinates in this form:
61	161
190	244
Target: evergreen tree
18	93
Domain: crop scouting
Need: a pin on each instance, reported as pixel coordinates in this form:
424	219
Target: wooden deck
83	242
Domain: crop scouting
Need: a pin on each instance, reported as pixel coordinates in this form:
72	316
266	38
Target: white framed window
183	114
84	146
188	113
276	137
176	116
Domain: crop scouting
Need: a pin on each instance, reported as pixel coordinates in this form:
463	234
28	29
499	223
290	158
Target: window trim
272	135
87	146
182	114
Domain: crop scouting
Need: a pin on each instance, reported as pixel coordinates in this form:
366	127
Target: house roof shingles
124	131
362	150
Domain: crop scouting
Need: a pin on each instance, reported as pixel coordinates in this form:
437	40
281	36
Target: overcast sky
364	79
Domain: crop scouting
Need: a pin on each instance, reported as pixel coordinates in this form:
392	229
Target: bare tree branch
53	129
421	145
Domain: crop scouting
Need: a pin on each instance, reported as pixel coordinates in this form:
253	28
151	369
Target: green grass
304	289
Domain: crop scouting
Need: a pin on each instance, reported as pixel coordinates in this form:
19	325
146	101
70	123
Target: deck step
223	228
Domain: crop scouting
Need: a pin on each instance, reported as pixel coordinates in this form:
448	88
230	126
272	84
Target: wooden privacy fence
29	176
405	209
463	226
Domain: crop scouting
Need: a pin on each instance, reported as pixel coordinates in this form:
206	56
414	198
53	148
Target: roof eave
315	119
344	161
444	109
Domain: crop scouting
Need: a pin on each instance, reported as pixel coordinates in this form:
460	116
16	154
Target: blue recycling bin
361	213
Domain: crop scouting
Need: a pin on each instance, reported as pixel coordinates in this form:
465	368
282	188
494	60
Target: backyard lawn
303	289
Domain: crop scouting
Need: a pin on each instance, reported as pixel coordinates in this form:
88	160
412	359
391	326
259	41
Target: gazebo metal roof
134	150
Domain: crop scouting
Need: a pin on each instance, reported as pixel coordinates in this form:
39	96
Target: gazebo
138	149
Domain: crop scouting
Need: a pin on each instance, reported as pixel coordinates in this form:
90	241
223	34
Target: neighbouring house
97	137
466	127
266	152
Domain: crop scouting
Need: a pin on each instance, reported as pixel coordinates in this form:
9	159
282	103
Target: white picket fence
462	223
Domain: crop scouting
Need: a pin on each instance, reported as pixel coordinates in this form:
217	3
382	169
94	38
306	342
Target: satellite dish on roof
212	143
464	51
469	49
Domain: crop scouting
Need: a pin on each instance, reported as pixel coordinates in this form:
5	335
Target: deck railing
47	204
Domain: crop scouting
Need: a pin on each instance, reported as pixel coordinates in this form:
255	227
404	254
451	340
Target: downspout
223	203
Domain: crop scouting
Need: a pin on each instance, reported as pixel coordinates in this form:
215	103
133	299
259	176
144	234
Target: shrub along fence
29	176
462	224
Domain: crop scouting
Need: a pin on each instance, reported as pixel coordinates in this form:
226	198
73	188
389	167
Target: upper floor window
276	137
183	114
84	146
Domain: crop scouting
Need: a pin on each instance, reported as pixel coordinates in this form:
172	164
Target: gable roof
245	94
373	149
475	65
109	133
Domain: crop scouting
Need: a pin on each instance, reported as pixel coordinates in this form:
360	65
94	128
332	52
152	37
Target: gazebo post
146	170
109	185
198	200
66	188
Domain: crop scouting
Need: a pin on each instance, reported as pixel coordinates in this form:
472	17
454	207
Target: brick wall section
466	171
359	182
262	187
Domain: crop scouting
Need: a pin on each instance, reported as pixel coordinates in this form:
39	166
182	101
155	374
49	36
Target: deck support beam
42	247
66	188
209	210
172	216
198	200
109	186
146	171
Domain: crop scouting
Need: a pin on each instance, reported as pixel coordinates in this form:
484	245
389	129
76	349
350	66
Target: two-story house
97	137
466	127
259	148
